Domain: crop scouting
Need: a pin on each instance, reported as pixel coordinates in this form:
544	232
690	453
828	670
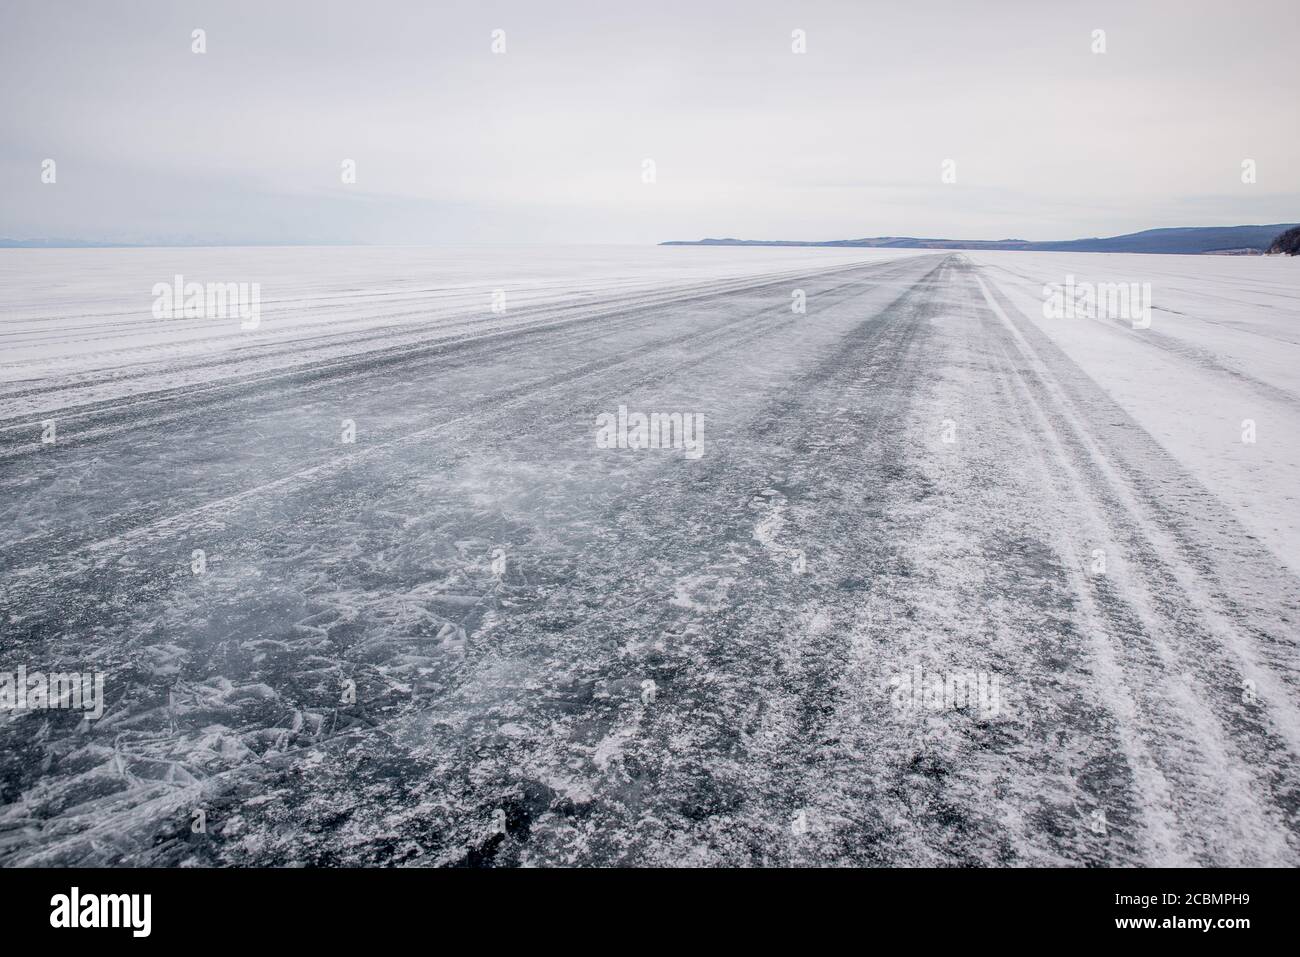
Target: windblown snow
952	582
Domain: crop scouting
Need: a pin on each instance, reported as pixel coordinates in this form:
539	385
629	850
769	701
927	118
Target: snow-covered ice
458	632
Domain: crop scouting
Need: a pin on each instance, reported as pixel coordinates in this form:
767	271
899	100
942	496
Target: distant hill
1221	240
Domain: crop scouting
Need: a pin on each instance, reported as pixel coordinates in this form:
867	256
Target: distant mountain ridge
1194	240
1221	240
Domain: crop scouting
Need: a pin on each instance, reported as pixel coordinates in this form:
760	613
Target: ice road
947	583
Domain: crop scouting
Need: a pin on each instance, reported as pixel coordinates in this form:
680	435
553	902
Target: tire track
1168	656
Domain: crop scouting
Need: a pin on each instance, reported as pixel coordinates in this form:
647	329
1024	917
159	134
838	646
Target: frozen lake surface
434	623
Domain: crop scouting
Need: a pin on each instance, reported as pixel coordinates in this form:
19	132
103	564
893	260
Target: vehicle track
751	313
624	310
831	539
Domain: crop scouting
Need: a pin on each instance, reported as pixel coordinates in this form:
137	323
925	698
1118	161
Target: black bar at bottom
335	907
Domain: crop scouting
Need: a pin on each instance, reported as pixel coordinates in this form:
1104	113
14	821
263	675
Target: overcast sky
545	143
